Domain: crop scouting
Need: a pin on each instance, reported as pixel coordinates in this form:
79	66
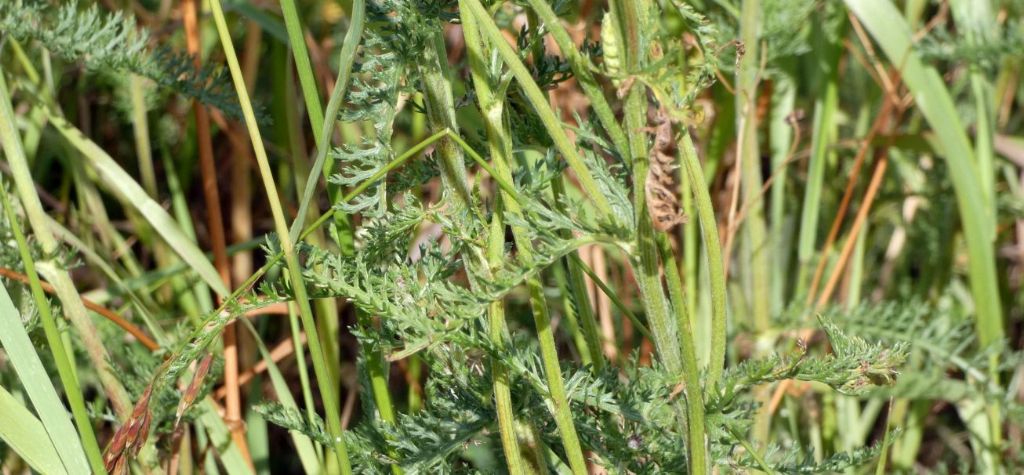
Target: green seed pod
610	47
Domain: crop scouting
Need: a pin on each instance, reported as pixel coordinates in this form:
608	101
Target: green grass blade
60	279
128	190
23	433
53	416
821	135
977	20
346	59
891	32
307	80
304	446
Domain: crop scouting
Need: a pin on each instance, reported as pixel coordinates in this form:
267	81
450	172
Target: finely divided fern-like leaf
794	461
853	367
947	339
291	419
371	98
113	42
357	163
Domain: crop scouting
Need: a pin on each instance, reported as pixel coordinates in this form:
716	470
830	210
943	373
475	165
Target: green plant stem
496	332
546	339
540	104
569	314
140	127
781	137
678	357
977	20
752	451
300	360
697	444
497	144
346	59
500	146
289	137
311	96
822	135
198	301
65	370
666	337
553	372
689	240
377	367
310	93
320	365
886	440
303	445
614	297
750	174
755	249
578	291
713	254
581	70
439	102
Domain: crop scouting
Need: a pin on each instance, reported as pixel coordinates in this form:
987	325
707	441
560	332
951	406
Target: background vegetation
531	236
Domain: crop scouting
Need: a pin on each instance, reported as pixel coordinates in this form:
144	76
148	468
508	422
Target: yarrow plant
524	236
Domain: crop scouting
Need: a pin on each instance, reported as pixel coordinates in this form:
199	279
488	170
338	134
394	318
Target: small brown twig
851	183
281	351
215	224
93	306
858	223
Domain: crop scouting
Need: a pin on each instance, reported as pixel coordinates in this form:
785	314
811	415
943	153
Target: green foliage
371	98
782	461
942	336
853	368
113	42
291	419
946	44
532	183
628	416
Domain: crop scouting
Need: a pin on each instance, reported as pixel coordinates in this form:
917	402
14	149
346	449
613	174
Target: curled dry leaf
662	202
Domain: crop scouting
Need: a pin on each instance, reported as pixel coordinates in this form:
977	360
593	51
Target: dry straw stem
880	122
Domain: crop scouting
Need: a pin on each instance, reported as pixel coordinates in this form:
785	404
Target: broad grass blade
55	422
